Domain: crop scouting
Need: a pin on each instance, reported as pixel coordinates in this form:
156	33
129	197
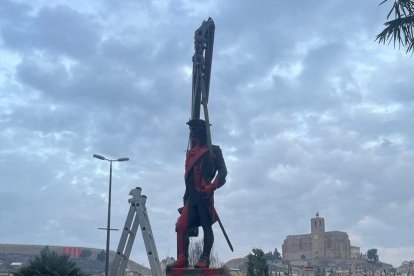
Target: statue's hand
207	190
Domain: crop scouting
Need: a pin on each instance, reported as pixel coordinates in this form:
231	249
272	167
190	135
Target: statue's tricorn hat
197	123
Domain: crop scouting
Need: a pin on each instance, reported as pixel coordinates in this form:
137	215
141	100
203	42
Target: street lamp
108	226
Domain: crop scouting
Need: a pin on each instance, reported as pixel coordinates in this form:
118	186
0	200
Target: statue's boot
203	262
183	243
181	262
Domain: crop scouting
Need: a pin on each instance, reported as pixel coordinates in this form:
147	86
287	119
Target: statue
205	169
198	198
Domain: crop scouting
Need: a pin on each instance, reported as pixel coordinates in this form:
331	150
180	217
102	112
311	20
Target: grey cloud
38	72
58	30
11	11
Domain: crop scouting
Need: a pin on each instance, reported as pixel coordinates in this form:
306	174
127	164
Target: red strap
192	159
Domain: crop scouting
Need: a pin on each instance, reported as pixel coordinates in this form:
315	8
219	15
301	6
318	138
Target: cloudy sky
311	115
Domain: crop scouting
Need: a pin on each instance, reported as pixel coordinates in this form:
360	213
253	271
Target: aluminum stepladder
137	216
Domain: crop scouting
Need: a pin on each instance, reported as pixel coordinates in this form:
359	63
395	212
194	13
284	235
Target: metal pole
108	227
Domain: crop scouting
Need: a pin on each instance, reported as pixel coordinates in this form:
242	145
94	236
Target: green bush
50	263
85	253
101	256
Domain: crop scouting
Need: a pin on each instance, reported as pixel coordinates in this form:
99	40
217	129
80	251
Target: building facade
319	244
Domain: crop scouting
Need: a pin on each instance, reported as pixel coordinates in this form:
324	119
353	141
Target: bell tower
318	236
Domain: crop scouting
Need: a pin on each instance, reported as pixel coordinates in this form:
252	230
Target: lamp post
108	226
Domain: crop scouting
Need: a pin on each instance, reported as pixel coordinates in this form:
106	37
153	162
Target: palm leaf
400	29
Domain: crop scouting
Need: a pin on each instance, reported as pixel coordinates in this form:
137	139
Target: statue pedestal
196	272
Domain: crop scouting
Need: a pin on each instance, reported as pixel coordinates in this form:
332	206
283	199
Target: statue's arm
221	168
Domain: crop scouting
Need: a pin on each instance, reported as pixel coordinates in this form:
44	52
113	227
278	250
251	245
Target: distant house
72	251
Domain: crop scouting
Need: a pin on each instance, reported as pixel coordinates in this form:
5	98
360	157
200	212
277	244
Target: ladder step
129	231
123	256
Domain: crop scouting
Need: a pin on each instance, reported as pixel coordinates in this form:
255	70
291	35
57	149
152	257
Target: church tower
318	237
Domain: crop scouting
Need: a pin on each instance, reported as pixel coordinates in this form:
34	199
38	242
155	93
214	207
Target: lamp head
99	156
123	159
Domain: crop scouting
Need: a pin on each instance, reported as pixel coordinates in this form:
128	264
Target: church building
319	244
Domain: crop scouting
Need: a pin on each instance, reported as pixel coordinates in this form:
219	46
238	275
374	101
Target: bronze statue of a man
203	175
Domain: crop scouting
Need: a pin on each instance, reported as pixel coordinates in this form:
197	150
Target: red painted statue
202	177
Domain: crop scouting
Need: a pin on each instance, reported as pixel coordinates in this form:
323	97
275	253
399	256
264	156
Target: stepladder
137	217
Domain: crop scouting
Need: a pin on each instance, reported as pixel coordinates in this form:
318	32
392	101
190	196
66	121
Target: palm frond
400	29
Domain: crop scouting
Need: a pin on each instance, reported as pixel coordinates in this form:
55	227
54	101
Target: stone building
319	244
